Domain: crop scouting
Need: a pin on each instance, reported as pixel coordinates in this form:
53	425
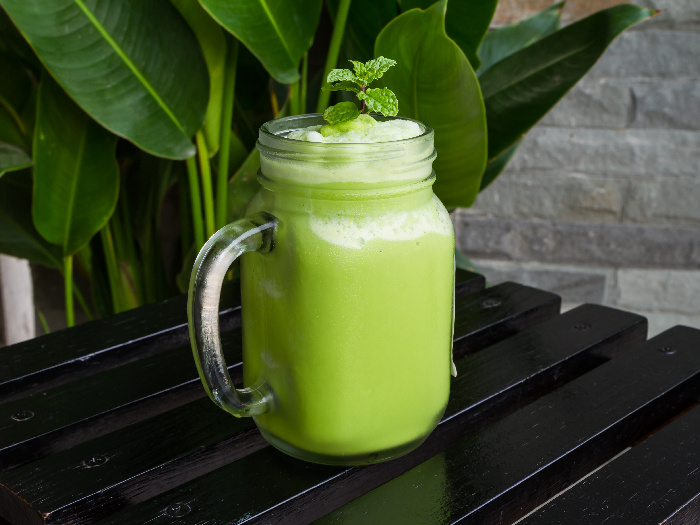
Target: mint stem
362	111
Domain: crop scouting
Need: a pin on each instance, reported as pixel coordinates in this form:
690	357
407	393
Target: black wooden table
108	423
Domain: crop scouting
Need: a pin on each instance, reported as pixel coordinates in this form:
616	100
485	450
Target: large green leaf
435	83
18	236
277	32
521	88
212	40
506	40
135	67
466	22
366	19
76	179
12	158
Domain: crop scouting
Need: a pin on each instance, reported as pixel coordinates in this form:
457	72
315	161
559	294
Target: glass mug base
369	458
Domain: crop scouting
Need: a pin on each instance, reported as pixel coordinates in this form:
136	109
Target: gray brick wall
602	201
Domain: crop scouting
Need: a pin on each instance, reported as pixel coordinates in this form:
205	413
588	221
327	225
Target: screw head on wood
95	461
668	350
24	415
491	302
177	510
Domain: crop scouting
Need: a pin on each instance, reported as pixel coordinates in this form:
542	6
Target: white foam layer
380	132
356	232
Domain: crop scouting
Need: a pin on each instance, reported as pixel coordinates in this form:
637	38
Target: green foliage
13	158
277	32
466	22
506	40
520	89
126	80
436	84
76	180
91	160
212	40
18	235
366	19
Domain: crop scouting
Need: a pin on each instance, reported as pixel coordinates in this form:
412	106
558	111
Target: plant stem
207	190
225	135
304	83
79	263
130	245
196	200
68	289
333	52
42	320
294	98
184	208
112	267
81	301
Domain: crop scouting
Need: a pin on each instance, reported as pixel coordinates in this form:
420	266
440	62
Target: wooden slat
71	413
68	355
159	456
505	470
91	406
268	487
467	283
658	481
499	312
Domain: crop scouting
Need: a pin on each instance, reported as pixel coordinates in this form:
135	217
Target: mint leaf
341	112
374	69
380	100
341	75
360	71
344	84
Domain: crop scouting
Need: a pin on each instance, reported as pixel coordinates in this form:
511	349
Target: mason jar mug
347	289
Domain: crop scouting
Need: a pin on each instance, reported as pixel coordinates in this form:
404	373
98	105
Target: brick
562	196
623	103
672	104
574	285
631	152
659	290
620	245
664	201
651	54
593	103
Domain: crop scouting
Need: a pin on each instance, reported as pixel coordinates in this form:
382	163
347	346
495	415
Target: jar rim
315	163
273	129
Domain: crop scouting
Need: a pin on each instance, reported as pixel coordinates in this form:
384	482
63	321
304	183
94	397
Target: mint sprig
377	100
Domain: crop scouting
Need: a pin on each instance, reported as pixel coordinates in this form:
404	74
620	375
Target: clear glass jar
347	294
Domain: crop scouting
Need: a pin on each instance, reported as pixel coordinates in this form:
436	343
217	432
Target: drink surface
363	129
348	320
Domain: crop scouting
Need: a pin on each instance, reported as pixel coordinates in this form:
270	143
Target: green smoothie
348	319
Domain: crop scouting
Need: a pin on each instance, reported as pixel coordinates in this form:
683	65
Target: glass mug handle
254	233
